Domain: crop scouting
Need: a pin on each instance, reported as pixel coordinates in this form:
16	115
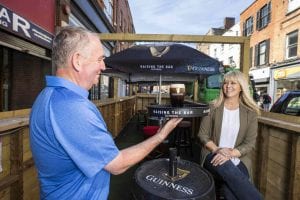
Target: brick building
273	27
26	34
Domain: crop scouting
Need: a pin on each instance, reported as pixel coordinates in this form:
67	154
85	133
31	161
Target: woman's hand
221	156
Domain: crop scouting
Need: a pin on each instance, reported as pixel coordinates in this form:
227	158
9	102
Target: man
72	149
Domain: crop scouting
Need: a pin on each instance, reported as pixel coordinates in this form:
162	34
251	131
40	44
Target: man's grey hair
67	41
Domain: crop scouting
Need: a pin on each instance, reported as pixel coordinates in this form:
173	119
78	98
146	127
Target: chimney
229	22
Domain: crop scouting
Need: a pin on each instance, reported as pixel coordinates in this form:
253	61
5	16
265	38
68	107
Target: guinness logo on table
169	184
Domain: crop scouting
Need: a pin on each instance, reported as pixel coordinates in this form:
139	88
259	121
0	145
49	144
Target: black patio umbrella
176	60
170	59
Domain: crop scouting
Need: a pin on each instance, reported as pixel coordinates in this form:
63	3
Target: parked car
288	103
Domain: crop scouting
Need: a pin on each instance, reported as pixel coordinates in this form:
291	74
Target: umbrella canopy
144	63
170	59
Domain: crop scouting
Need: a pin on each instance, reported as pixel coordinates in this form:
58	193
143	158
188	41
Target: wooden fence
276	159
18	178
277	156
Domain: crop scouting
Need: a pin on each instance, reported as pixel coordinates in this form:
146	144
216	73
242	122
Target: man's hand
168	127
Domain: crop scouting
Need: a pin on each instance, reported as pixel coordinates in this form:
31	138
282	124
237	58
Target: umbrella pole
159	93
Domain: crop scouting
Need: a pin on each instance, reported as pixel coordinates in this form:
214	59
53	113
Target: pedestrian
72	149
228	135
266	102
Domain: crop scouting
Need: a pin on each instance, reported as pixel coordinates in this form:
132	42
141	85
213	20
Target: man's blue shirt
70	143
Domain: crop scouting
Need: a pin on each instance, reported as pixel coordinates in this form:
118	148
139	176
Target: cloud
183	17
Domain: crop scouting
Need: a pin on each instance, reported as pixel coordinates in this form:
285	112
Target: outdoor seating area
276	157
146	100
123	186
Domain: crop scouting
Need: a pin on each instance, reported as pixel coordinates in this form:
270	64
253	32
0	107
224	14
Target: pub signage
169	184
158	67
22	27
188	110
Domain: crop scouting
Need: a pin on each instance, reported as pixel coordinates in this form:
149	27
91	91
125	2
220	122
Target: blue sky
183	16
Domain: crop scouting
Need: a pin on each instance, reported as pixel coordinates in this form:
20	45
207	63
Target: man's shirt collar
54	81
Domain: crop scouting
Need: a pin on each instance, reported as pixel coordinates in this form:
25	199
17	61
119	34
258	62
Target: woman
229	135
266	102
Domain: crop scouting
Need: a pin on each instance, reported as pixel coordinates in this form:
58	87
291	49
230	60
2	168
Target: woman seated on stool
229	135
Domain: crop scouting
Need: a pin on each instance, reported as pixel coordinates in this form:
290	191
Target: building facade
273	28
25	50
207	48
26	39
227	54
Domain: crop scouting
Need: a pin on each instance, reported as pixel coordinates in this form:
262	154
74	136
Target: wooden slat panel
279	179
262	161
5	194
278	151
7	181
5	156
280	134
273	193
16	157
294	183
31	186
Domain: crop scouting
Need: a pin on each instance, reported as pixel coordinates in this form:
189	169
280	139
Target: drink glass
177	93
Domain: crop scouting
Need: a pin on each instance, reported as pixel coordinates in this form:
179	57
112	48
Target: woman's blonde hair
245	97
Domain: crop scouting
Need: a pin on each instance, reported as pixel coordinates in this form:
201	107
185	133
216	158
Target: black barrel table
171	178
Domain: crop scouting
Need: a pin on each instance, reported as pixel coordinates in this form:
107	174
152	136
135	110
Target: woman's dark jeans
234	180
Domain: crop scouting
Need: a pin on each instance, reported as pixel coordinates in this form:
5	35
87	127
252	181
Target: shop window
291	44
262	53
263	16
5	79
22	78
293	5
100	91
104	92
248	27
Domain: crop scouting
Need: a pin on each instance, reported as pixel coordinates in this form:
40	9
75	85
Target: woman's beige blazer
210	129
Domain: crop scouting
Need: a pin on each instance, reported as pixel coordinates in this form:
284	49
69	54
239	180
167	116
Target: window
21	78
214	81
120	19
263	16
231	62
108	10
74	21
291	44
248	27
251	57
262	53
293	5
293	105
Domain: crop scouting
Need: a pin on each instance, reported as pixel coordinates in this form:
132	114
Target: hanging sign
22	27
291	72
